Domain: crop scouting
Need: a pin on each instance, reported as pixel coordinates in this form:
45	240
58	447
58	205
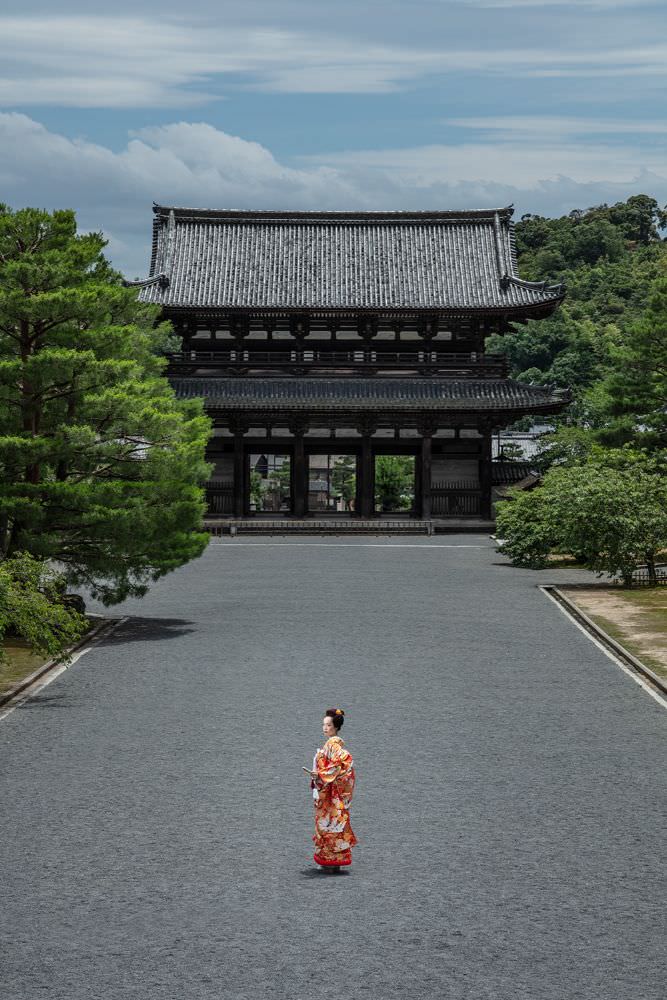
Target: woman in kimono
333	784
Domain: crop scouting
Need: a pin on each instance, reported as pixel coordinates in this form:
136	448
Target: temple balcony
242	362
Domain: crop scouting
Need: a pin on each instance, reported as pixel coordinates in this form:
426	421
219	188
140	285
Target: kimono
333	836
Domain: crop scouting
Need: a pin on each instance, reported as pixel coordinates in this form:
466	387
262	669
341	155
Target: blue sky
292	104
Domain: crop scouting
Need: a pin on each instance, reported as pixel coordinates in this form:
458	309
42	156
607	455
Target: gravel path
509	806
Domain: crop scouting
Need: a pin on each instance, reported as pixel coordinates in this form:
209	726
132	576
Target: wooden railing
456	499
325	526
449	499
220	496
641	578
248	362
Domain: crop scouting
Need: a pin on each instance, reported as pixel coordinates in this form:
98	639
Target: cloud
137	61
556	127
197	165
526	162
184	163
124	61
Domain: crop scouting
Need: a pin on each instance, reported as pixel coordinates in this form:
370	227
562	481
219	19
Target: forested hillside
608	341
603	493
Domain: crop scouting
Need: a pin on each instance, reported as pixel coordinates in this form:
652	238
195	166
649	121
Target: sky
311	104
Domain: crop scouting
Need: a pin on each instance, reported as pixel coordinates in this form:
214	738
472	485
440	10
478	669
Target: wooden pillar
239	470
425	478
367	478
299	485
485	480
366	492
299	469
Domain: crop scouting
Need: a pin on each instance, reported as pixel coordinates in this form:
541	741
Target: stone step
457	525
344	526
315	526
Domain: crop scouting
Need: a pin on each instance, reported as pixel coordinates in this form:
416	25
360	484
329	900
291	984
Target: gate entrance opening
270	483
332	483
395	484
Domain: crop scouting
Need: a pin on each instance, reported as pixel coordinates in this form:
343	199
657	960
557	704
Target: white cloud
526	162
198	165
555	127
124	61
134	62
185	163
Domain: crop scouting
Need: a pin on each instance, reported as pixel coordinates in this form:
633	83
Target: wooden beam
239	472
366	492
425	479
485	470
299	477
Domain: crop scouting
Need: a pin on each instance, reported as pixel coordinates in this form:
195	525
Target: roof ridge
361	215
511	275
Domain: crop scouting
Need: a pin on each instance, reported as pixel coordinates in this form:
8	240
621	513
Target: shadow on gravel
133	630
323	873
43	700
148	630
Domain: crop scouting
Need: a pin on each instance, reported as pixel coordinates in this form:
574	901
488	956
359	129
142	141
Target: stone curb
107	624
606	639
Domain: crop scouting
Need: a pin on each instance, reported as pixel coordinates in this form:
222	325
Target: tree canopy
32	608
394	481
602	497
612	520
100	464
607	340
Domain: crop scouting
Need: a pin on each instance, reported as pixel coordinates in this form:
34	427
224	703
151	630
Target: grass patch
21	661
636	618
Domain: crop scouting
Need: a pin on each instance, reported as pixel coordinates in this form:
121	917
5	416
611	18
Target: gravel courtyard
156	825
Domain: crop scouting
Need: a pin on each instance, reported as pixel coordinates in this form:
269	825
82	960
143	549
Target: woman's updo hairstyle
337	716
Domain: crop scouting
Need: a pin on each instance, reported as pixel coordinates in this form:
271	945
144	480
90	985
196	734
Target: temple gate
349	334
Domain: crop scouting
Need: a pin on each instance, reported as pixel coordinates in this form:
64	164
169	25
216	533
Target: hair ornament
339	712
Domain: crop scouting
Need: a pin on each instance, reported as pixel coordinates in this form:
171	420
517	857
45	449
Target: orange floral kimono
333	834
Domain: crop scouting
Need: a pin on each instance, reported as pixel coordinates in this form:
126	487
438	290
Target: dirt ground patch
635	618
20	662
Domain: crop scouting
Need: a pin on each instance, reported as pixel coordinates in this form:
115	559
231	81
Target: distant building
527	441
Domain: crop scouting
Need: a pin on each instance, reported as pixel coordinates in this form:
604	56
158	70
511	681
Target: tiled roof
335	261
510	472
340	394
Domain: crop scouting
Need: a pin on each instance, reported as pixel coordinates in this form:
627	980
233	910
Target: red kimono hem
324	861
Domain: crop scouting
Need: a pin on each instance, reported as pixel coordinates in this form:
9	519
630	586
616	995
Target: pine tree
100	464
635	391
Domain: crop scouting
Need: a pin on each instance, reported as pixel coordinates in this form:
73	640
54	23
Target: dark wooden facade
348	334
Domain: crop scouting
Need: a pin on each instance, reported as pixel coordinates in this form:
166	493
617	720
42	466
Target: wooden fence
640	577
458	498
220	497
